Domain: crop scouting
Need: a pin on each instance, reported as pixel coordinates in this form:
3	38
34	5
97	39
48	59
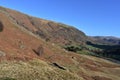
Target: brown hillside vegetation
47	29
27	56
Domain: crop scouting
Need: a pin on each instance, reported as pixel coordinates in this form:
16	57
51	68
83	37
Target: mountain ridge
34	26
47	29
110	40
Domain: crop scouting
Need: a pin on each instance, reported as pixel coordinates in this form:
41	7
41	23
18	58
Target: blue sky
94	17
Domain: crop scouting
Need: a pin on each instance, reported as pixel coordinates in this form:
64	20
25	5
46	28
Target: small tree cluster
73	48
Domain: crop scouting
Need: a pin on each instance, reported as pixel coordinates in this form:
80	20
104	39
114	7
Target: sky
94	17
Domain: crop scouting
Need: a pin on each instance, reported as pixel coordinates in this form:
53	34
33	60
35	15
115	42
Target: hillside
108	40
47	29
28	51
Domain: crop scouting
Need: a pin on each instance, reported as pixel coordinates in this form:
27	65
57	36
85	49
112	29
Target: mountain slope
47	29
26	55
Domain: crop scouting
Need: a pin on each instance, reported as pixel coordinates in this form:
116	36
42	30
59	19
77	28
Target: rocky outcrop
2	54
58	66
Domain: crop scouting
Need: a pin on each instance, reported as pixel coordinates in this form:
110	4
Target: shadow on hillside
109	52
1	26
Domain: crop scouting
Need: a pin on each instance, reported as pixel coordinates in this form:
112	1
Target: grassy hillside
33	70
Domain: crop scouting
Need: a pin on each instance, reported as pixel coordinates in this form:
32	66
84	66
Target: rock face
39	51
2	54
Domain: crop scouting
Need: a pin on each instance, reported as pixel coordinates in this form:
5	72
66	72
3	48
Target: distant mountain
109	40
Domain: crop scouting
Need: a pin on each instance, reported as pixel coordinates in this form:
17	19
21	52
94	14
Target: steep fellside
49	30
16	43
